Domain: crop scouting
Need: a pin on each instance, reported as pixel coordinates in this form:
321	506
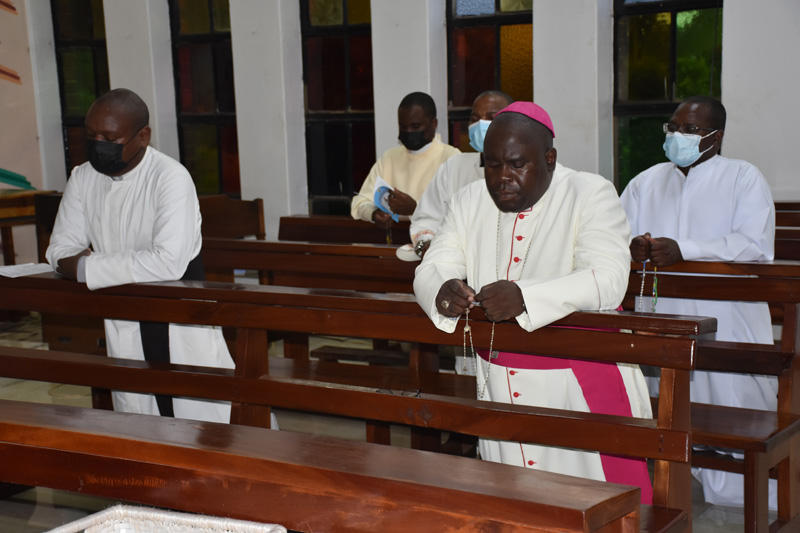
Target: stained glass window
490	46
664	53
82	63
340	121
206	103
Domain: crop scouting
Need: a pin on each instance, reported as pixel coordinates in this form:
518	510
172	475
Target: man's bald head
497	95
127	103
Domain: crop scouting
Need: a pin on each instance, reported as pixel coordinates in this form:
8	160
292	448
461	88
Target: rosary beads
481	390
654	299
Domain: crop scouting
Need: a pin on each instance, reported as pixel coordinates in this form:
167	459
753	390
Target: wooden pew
769	440
318	228
208	468
333	229
787	230
346	313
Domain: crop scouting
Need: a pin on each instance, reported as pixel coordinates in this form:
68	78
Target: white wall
760	81
139	48
46	93
409	53
19	144
270	113
573	79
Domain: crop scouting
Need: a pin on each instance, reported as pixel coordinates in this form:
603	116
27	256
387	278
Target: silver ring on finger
446	305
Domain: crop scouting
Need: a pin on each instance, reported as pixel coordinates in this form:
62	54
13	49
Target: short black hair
421	99
716	110
129	103
498	93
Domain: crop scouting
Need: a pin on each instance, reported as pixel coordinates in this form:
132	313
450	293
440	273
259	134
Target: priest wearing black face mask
409	168
137	208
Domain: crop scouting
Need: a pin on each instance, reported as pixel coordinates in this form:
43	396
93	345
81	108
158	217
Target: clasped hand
68	267
501	300
662	251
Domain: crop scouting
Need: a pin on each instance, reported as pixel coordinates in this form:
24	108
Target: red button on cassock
531	463
512	372
521	217
516	395
520	237
516	259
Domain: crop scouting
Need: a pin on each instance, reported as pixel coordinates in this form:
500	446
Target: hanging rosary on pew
654	299
492	355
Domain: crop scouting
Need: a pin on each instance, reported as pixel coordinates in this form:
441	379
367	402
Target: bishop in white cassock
536	241
138	210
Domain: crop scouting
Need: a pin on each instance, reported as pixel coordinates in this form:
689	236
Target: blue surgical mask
683	149
477	133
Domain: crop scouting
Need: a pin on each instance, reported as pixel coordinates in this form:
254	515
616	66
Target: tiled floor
38	510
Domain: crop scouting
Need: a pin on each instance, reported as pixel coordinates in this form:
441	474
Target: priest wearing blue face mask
702	206
138	210
454	173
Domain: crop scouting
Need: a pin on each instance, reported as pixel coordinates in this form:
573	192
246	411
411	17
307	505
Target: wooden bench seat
332	485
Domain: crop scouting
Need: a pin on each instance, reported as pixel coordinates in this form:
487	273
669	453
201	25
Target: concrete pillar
573	79
139	46
270	112
760	76
44	76
409	53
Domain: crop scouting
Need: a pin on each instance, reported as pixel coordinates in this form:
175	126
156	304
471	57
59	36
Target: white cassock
722	211
453	174
143	227
568	252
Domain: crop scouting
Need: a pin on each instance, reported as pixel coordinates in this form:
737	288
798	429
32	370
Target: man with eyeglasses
702	206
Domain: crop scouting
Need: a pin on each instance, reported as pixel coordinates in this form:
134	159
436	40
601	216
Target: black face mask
106	157
413	140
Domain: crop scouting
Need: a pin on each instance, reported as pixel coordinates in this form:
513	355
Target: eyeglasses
687	129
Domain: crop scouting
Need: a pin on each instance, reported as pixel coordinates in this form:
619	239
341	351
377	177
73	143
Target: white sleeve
630	202
175	240
444	260
362	206
432	206
752	235
601	262
70	233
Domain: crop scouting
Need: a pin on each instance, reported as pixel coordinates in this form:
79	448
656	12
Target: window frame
325	117
496	20
644	109
218	119
59	44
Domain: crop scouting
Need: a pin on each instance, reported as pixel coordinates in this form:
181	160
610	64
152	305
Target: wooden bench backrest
230	218
317	228
362	267
777	283
787	230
